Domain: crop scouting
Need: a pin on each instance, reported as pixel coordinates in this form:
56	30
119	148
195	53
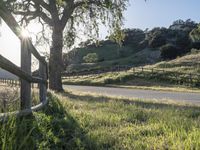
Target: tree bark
56	62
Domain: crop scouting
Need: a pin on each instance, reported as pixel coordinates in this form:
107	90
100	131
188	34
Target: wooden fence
151	73
24	72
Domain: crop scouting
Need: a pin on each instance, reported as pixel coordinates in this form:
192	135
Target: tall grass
77	121
10	98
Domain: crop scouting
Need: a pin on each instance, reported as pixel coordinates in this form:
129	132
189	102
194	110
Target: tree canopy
62	21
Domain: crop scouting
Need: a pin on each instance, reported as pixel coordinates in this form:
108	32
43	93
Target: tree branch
42	3
35	14
67	12
54	11
89	2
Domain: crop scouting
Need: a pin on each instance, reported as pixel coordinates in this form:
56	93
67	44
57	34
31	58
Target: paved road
141	94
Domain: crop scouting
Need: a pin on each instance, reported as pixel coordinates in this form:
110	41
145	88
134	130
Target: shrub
157	41
91	58
170	51
194	51
195	45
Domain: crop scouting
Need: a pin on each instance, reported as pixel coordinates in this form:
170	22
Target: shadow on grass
52	128
139	103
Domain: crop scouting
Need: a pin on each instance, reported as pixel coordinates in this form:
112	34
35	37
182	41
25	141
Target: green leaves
195	34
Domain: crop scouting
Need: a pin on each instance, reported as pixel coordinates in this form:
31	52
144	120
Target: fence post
133	69
25	93
42	86
190	79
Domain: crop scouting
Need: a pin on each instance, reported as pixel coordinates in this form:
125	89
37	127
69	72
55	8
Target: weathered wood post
42	85
25	66
190	78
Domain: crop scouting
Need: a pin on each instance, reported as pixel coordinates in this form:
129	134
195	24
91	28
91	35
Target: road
137	93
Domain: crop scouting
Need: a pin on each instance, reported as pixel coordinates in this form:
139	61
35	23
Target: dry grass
147	80
186	64
9	98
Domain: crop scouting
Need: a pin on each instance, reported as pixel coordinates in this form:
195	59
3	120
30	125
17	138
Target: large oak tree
64	18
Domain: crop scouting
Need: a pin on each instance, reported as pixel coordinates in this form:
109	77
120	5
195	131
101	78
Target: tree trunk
56	62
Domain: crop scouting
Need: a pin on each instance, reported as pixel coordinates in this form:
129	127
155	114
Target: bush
196	45
170	51
194	51
157	41
91	58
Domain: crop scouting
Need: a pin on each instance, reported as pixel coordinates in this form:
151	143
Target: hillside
149	56
188	64
170	43
7	75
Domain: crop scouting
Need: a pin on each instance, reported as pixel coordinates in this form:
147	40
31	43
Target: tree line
176	40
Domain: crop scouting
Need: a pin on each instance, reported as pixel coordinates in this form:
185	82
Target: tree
169	51
195	37
91	58
133	37
156	37
63	18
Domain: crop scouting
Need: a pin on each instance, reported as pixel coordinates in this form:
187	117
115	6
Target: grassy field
10	98
105	51
148	56
79	121
186	64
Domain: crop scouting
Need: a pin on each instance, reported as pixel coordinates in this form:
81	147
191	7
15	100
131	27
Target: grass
186	64
10	98
146	80
79	121
106	52
148	55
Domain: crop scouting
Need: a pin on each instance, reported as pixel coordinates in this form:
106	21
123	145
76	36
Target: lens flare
25	33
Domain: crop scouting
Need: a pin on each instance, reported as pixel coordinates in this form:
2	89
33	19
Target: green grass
79	121
10	98
149	56
112	58
106	51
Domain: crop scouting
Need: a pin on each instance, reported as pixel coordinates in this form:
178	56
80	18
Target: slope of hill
188	64
149	56
106	51
7	75
177	40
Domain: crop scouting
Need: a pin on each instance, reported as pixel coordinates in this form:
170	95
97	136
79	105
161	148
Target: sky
140	14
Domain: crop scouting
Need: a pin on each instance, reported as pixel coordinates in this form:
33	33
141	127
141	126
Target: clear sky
153	13
140	14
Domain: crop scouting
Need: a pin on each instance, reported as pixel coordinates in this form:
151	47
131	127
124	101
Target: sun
31	31
25	33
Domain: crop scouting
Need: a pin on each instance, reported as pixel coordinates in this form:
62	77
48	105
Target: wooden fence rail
24	72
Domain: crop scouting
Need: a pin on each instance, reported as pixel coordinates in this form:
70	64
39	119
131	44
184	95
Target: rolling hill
138	48
7	75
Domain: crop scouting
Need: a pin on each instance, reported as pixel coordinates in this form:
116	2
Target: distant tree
187	25
133	37
195	37
91	58
178	22
183	41
156	37
169	51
